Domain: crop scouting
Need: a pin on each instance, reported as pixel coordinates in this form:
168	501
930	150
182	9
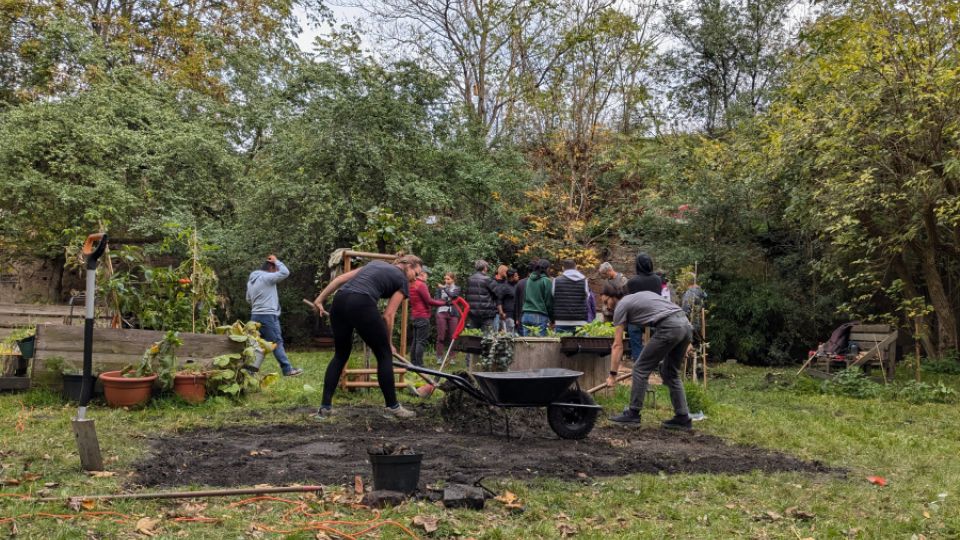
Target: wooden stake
916	342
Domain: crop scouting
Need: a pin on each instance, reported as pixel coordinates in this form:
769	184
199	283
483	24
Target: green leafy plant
853	383
229	376
472	332
697	398
498	352
20	333
161	354
921	392
597	328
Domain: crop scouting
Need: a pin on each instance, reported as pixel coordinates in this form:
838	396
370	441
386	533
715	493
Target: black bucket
396	473
26	346
72	384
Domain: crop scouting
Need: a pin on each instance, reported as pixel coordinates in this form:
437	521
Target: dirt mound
334	452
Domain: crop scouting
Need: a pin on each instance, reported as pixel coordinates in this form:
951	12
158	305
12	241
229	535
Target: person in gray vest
265	307
570	295
667	345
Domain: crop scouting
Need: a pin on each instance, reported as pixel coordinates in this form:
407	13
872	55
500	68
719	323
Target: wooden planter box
113	349
586	345
469	344
544	352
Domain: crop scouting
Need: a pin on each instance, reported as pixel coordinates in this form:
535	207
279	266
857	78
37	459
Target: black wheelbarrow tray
571	412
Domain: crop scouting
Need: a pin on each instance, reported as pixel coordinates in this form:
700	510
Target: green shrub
852	382
921	392
948	364
697	398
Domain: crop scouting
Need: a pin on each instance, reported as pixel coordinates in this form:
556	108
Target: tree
728	57
865	134
129	153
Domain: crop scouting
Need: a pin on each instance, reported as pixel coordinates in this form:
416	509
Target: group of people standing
502	302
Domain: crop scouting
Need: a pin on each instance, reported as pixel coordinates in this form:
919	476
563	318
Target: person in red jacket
420	304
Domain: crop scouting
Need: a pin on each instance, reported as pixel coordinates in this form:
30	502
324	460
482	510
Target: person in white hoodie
571	293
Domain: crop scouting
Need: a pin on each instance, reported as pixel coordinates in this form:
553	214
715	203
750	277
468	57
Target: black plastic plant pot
586	345
72	384
469	344
26	346
396	473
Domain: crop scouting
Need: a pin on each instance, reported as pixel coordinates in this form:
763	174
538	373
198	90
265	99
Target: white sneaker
398	412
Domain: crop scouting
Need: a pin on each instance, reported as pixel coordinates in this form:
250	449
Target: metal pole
191	494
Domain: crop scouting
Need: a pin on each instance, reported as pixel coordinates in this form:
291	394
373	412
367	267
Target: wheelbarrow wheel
572	422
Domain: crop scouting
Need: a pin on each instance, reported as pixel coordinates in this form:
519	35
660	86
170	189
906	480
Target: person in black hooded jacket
645	280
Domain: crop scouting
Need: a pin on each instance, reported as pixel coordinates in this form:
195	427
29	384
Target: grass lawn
915	447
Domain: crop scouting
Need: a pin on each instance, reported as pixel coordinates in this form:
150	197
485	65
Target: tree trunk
946	318
900	268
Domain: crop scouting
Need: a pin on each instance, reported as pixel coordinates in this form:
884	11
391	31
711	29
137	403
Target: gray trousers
669	345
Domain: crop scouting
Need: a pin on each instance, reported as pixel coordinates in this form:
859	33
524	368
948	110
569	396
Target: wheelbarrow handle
457	380
93	248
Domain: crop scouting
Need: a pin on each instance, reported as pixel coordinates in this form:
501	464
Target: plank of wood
371	371
88	446
873	338
871	328
14	383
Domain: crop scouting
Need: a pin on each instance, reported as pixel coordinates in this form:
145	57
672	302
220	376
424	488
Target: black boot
628	416
680	422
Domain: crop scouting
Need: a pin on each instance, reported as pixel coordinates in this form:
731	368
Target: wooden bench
878	348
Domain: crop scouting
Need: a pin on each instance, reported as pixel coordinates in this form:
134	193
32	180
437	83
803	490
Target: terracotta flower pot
192	387
121	391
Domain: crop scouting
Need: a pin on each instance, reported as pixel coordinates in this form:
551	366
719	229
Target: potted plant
131	386
190	383
24	338
592	338
71	375
469	341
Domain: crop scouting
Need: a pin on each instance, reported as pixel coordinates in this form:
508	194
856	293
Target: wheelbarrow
571	412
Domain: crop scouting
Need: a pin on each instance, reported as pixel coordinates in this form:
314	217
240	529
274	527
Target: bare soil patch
333	452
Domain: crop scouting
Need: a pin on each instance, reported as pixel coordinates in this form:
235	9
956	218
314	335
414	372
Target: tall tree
727	58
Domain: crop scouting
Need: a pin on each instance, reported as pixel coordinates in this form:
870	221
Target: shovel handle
93	248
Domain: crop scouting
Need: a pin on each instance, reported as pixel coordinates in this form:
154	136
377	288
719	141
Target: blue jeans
635	331
572	330
534	319
270	331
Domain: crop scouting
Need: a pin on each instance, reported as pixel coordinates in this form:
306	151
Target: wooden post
703	344
916	342
403	328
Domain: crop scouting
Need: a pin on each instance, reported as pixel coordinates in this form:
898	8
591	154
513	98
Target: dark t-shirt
378	280
644	282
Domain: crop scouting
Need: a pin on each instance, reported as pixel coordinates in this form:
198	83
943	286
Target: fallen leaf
189	509
429	524
29	477
508	497
358	485
10	482
101	474
146	526
877	480
78	503
582	475
566	529
730	506
51	484
561	516
47	457
772	516
254	453
322	536
926	514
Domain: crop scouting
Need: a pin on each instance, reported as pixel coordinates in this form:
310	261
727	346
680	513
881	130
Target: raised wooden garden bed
469	344
113	349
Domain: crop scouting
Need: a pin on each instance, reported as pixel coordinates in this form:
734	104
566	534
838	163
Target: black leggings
352	311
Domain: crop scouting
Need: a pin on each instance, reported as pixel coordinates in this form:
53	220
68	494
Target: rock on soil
335	452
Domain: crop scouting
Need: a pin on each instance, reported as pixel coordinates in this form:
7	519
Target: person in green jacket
537	300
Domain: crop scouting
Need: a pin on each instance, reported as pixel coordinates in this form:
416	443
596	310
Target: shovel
83	428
